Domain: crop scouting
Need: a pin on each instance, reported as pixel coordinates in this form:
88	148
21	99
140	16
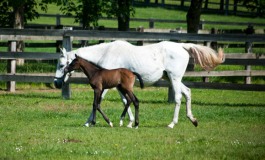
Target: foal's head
74	65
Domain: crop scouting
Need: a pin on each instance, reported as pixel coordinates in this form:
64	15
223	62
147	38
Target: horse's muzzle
58	83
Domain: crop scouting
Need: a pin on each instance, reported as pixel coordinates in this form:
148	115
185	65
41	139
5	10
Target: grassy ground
41	125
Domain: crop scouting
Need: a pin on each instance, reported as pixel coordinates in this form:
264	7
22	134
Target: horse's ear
63	51
76	56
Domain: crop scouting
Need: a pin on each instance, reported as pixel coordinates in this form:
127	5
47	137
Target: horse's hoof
195	122
111	124
136	127
171	125
86	125
130	125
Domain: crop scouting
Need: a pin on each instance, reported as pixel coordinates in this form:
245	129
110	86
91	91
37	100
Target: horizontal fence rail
38	34
69	35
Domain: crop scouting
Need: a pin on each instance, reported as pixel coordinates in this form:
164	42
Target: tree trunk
193	16
19	24
123	15
222	2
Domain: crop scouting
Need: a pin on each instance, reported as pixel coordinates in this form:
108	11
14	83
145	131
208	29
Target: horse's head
60	75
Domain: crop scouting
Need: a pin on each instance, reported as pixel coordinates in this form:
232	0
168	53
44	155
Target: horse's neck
88	68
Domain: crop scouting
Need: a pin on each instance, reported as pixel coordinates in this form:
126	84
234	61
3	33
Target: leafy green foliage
255	5
86	12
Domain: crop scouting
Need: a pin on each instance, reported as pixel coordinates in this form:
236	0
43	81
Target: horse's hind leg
129	111
187	93
176	85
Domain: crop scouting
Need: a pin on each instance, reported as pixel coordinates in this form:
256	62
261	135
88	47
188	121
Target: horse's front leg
130	114
89	120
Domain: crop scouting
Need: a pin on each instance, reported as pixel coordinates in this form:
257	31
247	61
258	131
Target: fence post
140	29
201	24
151	23
212	45
248	50
58	20
11	67
67	44
182	3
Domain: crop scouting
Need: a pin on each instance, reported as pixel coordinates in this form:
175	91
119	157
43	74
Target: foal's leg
90	118
125	110
97	94
136	105
187	93
102	113
130	114
128	91
126	105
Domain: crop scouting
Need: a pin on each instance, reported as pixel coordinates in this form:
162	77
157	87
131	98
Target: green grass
41	125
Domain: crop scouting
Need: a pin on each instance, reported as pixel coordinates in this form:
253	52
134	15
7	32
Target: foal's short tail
206	57
140	79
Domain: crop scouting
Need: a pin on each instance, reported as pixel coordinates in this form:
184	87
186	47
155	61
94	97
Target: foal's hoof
121	123
111	124
136	127
195	122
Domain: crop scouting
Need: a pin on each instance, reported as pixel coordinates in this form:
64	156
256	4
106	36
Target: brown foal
100	79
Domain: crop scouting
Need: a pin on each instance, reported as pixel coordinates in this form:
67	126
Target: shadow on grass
30	95
148	101
227	104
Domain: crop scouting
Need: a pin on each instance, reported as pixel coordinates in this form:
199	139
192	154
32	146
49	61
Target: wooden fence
67	36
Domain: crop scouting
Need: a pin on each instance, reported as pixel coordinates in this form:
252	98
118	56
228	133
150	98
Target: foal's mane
94	64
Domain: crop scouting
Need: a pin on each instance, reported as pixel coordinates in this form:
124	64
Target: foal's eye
61	66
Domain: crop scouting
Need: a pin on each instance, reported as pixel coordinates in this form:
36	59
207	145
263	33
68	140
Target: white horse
151	62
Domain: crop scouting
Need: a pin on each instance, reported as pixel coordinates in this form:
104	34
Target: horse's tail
206	57
140	79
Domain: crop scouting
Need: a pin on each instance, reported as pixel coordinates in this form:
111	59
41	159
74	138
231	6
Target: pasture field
39	124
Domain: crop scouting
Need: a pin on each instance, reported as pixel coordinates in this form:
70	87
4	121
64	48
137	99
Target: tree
16	13
255	5
193	16
122	10
86	12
